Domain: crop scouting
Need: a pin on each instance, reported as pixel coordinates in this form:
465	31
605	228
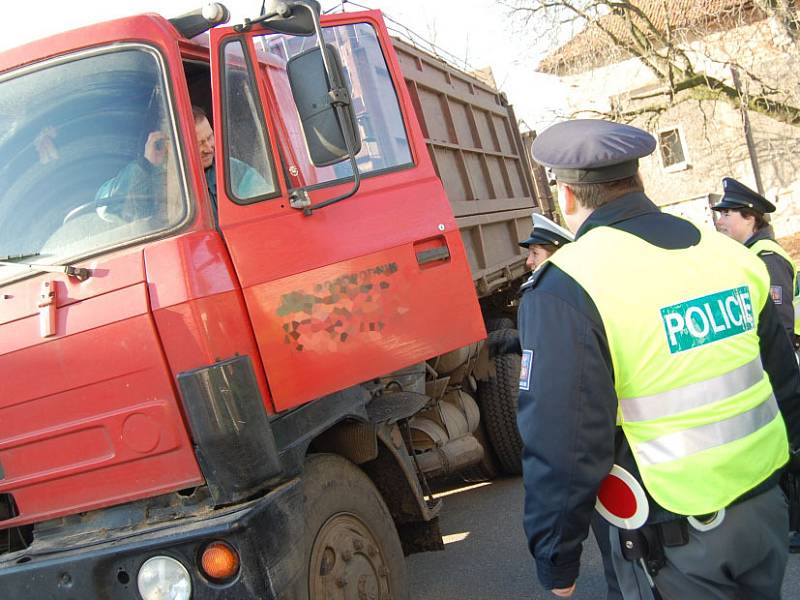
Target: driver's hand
155	149
564	592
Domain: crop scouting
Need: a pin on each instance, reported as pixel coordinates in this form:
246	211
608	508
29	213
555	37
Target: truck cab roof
133	28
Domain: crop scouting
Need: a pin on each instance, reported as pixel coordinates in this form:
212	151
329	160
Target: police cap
737	195
547	232
592	150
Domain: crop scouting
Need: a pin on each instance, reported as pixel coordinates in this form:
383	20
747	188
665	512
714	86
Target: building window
672	147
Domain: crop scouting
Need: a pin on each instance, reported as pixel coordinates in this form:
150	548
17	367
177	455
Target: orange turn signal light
219	561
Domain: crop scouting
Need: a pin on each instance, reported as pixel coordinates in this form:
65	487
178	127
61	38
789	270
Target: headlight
164	578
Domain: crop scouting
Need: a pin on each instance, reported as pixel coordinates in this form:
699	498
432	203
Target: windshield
88	158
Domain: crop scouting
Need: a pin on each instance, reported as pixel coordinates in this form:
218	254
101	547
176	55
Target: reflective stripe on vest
769	245
696	406
694	395
681	444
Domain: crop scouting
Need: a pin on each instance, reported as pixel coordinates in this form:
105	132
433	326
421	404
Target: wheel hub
347	563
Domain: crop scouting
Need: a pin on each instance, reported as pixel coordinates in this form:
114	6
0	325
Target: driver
142	182
247	182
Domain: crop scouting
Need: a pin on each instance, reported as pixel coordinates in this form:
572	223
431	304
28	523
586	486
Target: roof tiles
592	47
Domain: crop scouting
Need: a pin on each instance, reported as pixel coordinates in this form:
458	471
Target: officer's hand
564	592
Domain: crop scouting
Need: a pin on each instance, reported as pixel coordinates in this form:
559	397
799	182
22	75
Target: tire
352	546
498	398
496	323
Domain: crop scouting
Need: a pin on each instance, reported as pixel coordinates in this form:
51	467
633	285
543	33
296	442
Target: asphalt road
486	557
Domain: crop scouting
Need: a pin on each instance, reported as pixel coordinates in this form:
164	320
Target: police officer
741	216
636	323
546	237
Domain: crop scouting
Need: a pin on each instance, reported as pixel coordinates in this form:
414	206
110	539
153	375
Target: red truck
245	398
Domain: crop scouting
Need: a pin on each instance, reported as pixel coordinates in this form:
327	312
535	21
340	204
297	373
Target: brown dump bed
472	136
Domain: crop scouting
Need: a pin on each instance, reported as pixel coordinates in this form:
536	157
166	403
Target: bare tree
785	13
663	35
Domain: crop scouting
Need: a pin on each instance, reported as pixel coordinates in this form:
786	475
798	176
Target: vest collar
623	208
762	234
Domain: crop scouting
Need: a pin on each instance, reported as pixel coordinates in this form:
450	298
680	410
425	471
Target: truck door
359	288
90	172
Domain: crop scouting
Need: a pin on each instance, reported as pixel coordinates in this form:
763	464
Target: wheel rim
347	563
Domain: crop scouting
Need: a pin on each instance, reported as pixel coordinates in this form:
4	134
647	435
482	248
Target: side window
384	140
88	158
250	169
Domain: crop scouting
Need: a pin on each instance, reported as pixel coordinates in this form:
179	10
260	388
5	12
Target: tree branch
663	51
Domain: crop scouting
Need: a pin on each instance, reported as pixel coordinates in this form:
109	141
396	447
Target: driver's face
205	140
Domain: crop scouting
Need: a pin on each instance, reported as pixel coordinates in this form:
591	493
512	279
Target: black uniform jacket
781	279
567	418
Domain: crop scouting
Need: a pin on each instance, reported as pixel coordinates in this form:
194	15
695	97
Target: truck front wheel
353	548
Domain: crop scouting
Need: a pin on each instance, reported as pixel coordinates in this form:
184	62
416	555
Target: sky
479	33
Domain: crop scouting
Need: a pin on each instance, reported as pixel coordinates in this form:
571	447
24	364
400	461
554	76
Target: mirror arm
282	10
299	198
307	210
339	98
321	45
248	23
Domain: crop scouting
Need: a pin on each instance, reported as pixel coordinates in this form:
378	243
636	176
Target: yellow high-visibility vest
695	403
773	246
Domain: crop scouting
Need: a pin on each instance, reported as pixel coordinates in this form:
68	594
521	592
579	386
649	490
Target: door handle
428	256
431	250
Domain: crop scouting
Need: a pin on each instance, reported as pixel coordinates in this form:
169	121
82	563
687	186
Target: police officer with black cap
641	353
546	237
742	217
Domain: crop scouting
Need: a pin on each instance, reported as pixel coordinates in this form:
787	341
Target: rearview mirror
295	18
324	132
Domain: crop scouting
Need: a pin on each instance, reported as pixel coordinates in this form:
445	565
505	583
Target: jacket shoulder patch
526	366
